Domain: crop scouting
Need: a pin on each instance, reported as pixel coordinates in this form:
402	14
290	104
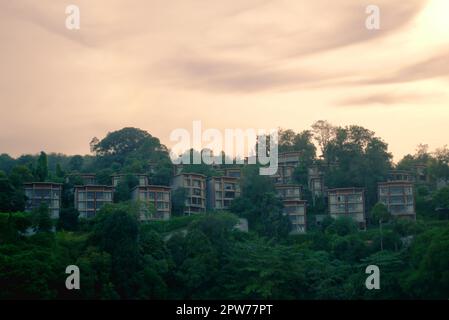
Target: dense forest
205	256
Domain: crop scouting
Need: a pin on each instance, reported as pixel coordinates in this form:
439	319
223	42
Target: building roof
190	174
288	185
349	189
151	187
395	182
128	174
42	183
93	186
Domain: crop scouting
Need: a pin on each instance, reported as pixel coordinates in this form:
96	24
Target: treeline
204	257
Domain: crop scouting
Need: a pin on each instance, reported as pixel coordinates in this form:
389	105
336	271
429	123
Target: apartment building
400	175
89	199
398	197
315	180
349	202
231	172
294	207
195	186
289	191
287	162
296	212
117	178
158	198
43	192
221	191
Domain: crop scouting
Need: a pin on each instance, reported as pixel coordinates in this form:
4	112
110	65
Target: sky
160	65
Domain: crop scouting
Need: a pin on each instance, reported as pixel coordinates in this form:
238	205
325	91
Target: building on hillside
348	202
400	175
287	162
156	202
398	197
221	191
90	199
294	207
117	178
195	186
231	172
315	179
289	191
43	192
296	212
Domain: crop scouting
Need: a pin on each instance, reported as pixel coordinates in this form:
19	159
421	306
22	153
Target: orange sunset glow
159	65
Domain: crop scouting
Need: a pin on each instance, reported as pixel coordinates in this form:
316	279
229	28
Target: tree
42	167
380	214
19	175
76	163
178	199
115	231
11	198
441	201
342	226
68	219
42	220
6	163
123	190
429	276
357	158
323	132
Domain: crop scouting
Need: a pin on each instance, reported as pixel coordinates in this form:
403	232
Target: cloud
433	67
390	99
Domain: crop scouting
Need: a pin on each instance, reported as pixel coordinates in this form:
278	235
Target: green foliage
429	276
379	213
68	219
41	219
12	198
178	199
42	167
203	256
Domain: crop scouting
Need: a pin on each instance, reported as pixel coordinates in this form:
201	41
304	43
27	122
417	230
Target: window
81	196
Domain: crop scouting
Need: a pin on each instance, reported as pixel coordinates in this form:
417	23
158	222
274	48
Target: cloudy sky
159	65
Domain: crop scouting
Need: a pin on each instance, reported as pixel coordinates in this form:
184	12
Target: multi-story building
294	207
398	197
195	186
296	212
89	199
287	162
289	191
400	175
349	202
315	179
43	192
221	191
157	198
117	178
231	172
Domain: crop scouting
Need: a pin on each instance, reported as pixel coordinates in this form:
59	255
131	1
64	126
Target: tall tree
42	167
